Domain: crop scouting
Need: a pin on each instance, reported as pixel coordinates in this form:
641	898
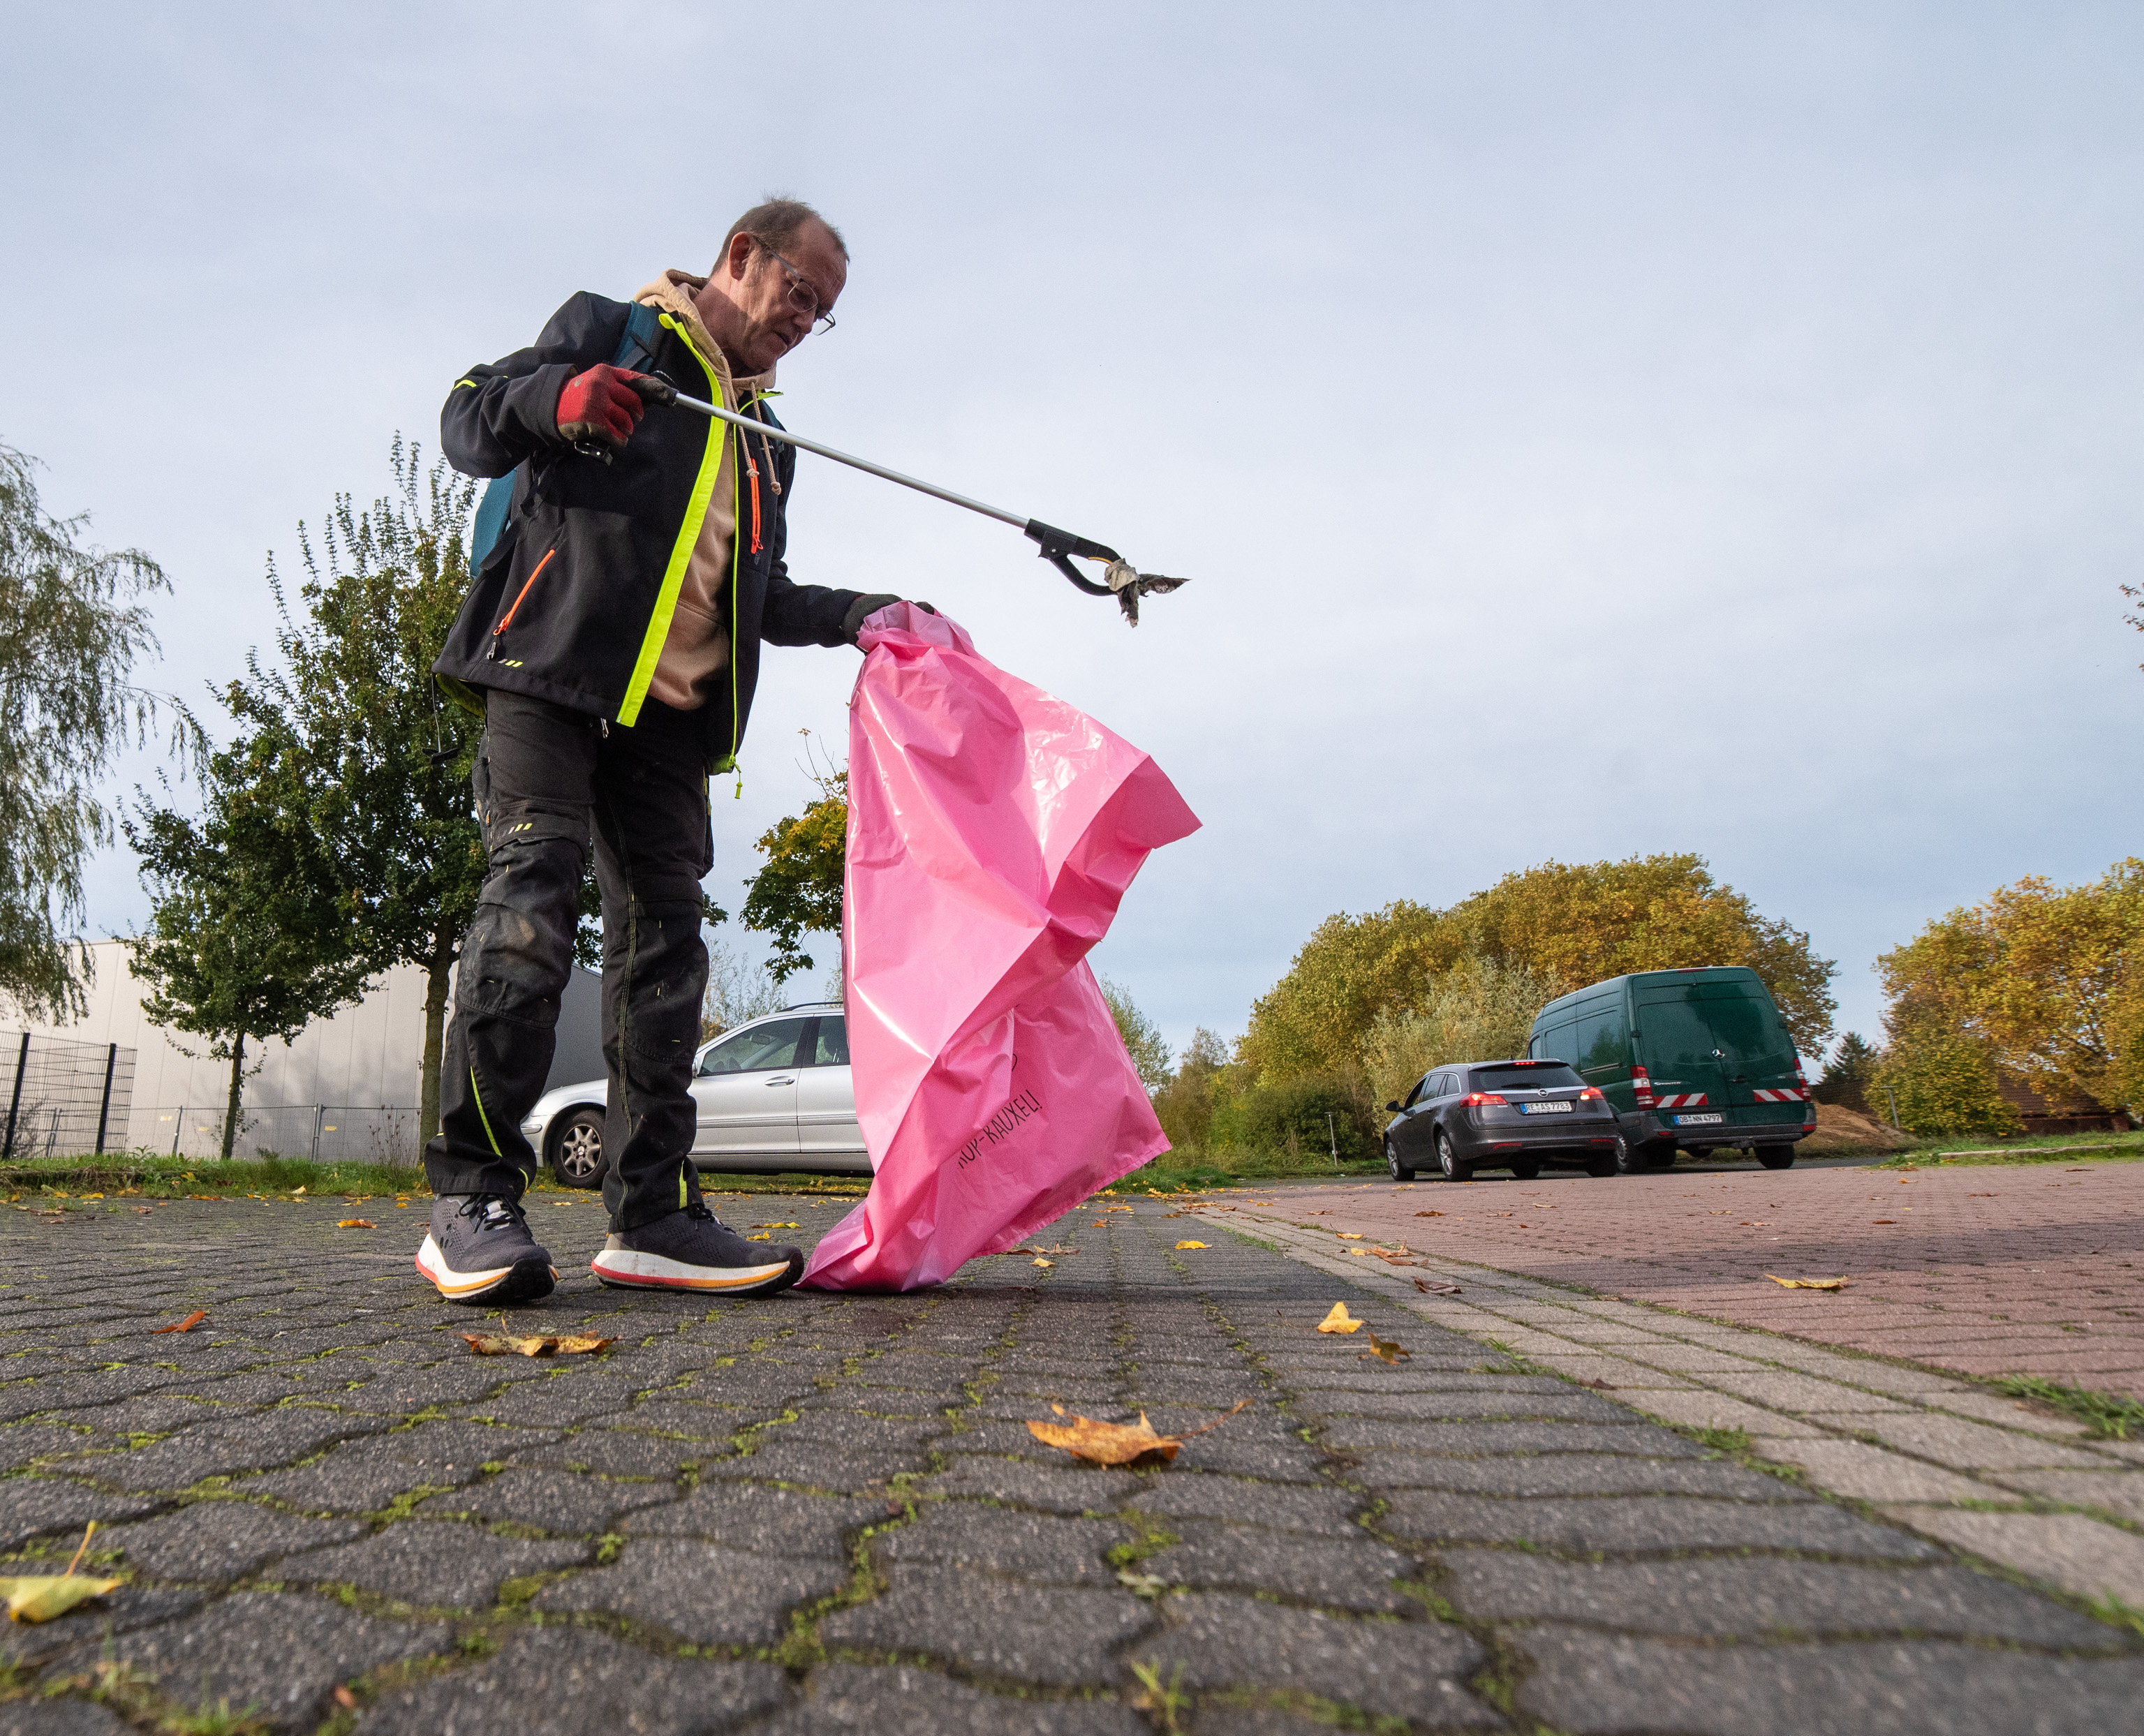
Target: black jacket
574	601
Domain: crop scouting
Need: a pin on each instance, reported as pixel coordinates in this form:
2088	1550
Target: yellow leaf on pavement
546	1344
355	1223
1347	1235
1045	1264
1385	1350
1339	1320
1115	1443
1190	1244
774	1226
41	1597
1811	1283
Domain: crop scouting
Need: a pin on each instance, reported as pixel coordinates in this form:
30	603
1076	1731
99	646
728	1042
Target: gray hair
775	222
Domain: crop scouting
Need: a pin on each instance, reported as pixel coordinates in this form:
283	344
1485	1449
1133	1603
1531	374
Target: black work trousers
546	779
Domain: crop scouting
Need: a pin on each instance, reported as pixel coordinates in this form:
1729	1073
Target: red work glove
602	405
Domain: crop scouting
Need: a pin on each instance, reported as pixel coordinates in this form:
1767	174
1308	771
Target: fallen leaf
775	1226
355	1223
1429	1214
1100	1223
1983	1196
1428	1289
41	1597
1811	1283
295	1192
1182	1245
145	1210
343	1697
1339	1320
1321	1212
766	1236
1385	1350
1873	1220
187	1325
545	1344
1045	1264
1347	1235
1115	1443
1598	1386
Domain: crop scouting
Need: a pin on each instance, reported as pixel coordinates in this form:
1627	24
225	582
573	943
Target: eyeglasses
802	295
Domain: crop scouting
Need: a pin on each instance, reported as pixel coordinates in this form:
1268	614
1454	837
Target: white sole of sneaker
622	1267
463	1286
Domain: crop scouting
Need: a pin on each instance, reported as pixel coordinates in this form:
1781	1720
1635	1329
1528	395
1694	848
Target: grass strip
2110	1415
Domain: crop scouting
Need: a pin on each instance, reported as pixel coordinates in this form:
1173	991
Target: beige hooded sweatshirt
698	648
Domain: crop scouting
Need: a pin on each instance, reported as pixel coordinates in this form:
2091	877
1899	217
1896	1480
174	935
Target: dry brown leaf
1429	1214
1182	1245
187	1325
544	1344
343	1697
1598	1386
355	1223
1428	1289
1811	1283
1339	1320
1385	1350
1115	1443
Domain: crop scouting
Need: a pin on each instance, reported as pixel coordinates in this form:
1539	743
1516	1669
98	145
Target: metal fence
63	1097
361	1134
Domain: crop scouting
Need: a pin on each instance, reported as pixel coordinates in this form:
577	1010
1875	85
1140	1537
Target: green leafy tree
1479	1011
1847	1074
798	891
247	936
1142	1036
1185	1104
73	625
1941	1078
380	765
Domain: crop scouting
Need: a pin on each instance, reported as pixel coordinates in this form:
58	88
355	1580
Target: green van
1697	1059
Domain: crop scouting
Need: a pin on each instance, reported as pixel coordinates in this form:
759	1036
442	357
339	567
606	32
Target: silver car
773	1094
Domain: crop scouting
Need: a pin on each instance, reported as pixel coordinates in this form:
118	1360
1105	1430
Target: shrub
1942	1081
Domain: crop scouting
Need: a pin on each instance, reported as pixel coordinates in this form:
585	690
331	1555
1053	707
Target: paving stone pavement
1987	1269
824	1513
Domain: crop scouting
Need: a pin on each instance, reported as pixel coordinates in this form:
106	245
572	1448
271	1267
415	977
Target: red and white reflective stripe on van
1785	1096
1682	1100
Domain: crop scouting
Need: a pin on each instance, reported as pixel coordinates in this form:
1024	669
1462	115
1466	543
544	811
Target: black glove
853	623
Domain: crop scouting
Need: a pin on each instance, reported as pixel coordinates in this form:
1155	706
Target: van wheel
1630	1158
577	1159
1447	1159
1526	1169
1600	1166
1661	1156
1777	1159
1399	1171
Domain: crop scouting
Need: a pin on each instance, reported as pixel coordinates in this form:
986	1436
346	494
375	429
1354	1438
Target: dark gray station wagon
1499	1114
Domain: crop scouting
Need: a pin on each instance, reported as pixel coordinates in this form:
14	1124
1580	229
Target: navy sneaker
479	1250
689	1249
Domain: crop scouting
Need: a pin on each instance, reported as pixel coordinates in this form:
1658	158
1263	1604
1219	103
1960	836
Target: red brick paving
2033	1269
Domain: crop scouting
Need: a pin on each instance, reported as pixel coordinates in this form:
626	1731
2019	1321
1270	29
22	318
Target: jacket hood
672	293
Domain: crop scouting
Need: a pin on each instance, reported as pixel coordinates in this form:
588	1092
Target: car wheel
1526	1170
577	1159
1777	1159
1447	1159
1630	1158
1399	1171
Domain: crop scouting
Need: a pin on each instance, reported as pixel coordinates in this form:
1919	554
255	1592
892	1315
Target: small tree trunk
237	1076
435	1030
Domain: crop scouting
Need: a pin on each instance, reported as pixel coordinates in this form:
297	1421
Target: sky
1590	430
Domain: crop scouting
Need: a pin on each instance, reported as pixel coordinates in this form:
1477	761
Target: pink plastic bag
992	832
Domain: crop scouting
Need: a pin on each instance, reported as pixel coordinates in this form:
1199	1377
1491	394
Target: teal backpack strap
636	351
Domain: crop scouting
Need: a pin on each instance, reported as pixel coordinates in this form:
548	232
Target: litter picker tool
1059	548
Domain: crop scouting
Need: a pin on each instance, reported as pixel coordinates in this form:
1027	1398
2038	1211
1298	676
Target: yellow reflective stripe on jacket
681	555
470	383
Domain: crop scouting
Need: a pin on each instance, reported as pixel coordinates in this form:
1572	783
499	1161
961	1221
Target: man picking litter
611	637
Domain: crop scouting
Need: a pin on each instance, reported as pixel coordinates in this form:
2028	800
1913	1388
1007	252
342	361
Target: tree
380	765
73	624
1142	1036
2048	981
737	992
799	889
1567	926
1941	1079
1848	1074
247	936
1479	1011
1185	1104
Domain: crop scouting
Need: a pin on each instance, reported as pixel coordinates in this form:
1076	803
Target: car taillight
1801	1078
1592	1094
1641	1083
1484	1099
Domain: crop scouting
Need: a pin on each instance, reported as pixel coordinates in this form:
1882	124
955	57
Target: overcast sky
1592	429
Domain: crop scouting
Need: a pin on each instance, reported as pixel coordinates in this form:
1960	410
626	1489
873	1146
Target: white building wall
366	1055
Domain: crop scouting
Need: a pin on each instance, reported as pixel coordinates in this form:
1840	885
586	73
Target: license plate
1544	1108
1699	1120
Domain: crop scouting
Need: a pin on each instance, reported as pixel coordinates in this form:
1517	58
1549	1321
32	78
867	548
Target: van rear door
1677	1044
1762	1086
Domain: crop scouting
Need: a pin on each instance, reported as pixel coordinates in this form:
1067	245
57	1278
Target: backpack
636	351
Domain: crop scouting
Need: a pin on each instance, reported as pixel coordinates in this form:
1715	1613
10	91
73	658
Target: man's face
768	323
